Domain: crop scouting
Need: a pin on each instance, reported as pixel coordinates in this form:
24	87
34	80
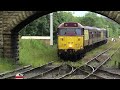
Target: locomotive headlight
70	45
81	47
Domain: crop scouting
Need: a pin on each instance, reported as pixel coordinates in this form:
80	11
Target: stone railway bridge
11	22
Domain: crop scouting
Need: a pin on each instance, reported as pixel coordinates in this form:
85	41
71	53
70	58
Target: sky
81	13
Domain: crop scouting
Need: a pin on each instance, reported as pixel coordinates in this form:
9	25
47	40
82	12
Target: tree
88	21
41	25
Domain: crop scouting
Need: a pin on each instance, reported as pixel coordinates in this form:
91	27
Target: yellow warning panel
70	42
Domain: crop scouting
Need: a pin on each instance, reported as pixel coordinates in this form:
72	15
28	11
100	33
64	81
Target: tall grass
36	53
6	65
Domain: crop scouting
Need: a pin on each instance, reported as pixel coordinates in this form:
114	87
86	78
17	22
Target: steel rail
14	71
86	64
66	74
93	74
102	63
110	74
30	70
44	74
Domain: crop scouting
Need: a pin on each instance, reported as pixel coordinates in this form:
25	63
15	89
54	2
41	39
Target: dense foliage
40	27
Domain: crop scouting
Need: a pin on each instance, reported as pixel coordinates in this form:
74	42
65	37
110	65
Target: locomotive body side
94	35
91	36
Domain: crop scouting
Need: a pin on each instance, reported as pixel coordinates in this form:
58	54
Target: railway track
91	68
106	74
14	72
28	71
54	73
47	71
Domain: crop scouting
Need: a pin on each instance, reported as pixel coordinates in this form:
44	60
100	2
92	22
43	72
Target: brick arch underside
13	52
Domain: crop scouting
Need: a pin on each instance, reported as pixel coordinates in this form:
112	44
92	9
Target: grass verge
36	53
6	65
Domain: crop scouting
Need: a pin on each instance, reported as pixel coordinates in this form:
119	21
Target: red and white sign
19	76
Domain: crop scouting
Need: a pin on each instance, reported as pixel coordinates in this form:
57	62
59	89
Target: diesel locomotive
75	39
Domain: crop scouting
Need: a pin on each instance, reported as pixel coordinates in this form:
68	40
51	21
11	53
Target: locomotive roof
93	28
89	27
62	25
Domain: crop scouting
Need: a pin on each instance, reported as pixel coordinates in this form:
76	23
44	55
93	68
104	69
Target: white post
108	33
51	28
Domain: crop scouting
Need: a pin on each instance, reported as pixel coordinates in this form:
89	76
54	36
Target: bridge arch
11	22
